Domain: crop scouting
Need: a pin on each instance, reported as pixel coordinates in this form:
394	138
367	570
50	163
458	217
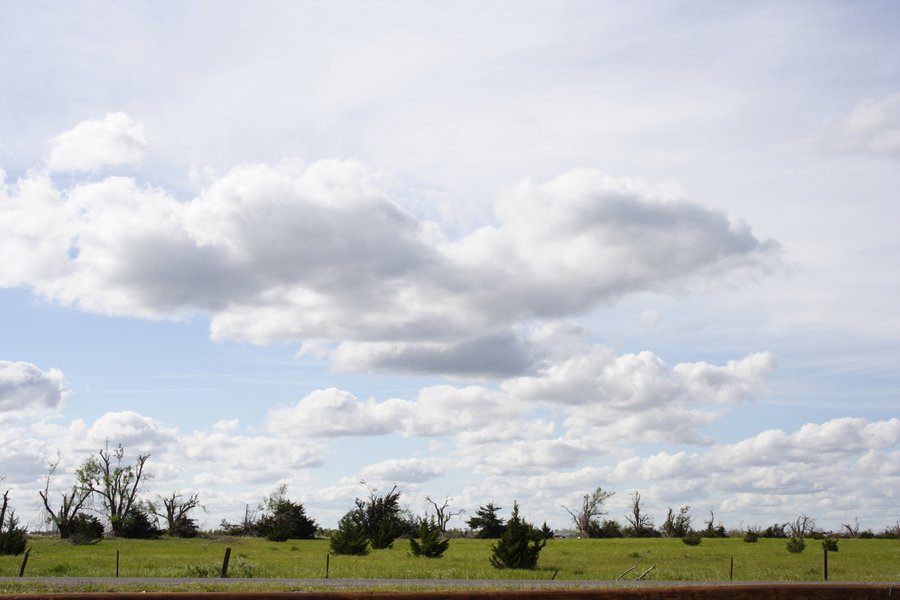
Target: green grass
576	559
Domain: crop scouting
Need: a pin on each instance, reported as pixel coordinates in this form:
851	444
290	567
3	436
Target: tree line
108	487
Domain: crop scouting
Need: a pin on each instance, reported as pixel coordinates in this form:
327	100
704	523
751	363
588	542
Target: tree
520	545
382	518
442	512
138	524
802	526
799	529
586	519
283	519
116	483
640	525
12	537
486	523
177	509
852	530
677	525
69	505
712	530
428	540
247	526
85	529
350	537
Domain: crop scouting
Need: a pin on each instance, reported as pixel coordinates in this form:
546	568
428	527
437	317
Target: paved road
403	583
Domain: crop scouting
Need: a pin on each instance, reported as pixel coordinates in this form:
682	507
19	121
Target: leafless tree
640	523
585	519
116	483
802	527
852	530
442	512
176	510
69	506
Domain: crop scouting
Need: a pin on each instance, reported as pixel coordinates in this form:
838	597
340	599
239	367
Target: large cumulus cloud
325	253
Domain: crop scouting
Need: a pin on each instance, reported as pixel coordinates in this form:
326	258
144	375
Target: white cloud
406	470
325	253
638	396
91	145
334	413
872	127
25	389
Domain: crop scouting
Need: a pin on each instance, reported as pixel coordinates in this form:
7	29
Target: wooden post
327	564
225	563
825	570
24	562
117	563
731	570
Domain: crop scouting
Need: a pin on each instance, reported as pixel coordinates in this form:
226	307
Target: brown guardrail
776	591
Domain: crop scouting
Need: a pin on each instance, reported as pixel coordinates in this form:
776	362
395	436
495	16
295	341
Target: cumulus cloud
639	396
115	140
325	254
333	413
872	127
436	411
26	389
406	470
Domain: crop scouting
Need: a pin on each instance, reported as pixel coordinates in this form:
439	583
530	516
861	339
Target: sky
483	251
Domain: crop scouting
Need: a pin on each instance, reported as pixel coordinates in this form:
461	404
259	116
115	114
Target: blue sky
492	252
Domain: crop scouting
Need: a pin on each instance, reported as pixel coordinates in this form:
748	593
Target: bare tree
852	530
802	527
176	512
713	530
116	483
442	512
68	508
585	519
641	524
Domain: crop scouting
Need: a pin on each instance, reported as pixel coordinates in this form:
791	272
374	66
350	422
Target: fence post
117	563
225	563
327	564
825	570
731	570
24	562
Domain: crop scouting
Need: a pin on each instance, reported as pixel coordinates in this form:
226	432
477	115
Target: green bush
351	537
520	545
284	519
692	539
137	524
751	536
12	537
795	545
428	540
85	529
830	544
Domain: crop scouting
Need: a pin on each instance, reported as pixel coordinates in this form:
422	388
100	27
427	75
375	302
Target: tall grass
574	559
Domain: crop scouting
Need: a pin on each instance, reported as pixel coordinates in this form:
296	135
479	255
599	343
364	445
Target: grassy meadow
569	559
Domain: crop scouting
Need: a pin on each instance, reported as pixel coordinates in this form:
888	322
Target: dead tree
68	508
442	512
802	527
176	511
852	530
585	519
640	524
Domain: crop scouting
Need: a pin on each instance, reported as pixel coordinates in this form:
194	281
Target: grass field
595	559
